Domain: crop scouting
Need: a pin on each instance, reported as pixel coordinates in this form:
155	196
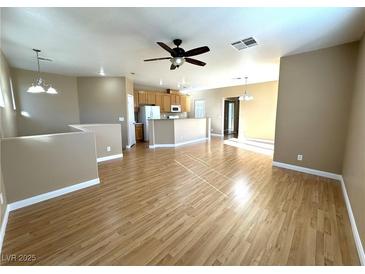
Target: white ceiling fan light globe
248	97
177	61
52	91
36	89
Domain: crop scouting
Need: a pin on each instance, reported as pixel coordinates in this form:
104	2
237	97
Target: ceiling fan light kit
39	85
179	56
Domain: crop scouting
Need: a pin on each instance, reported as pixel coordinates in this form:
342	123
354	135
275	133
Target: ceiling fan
179	55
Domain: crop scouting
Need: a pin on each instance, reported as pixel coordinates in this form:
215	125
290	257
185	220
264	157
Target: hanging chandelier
246	96
39	85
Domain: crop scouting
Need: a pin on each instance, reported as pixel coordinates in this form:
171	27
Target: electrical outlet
300	157
108	148
1	198
121	119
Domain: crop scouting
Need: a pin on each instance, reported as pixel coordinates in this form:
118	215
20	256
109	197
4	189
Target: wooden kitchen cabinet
185	103
142	98
139	132
135	99
158	100
175	99
166	103
151	98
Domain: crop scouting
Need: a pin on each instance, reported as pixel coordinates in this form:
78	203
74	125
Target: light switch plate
1	198
108	148
300	157
121	119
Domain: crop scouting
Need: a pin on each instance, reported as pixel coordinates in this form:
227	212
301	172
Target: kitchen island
177	132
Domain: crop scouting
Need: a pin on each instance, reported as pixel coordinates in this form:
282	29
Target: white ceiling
81	40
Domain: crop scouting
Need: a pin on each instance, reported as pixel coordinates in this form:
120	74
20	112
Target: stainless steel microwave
175	108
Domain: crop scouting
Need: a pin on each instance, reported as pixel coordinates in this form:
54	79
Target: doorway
231	117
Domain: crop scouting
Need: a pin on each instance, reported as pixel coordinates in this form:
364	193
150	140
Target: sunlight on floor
262	147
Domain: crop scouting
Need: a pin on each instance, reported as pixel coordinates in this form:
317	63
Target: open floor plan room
182	136
205	204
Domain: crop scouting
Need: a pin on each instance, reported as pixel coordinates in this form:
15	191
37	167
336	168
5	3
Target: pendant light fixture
39	85
246	96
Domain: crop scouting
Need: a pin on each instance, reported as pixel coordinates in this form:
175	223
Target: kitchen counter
177	132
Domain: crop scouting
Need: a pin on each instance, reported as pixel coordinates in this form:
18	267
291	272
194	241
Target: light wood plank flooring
202	204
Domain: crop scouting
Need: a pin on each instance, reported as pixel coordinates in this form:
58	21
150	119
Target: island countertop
176	132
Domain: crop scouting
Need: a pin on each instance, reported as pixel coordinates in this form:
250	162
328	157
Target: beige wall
48	113
190	129
354	162
38	164
257	117
148	88
7	121
176	131
161	132
105	135
103	100
315	90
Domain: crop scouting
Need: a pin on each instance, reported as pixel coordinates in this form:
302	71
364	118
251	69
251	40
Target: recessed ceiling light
101	72
161	82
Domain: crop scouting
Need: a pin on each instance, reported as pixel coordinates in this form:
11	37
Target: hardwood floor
202	204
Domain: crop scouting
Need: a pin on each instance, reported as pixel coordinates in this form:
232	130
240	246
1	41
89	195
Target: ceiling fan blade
195	62
167	48
196	51
172	67
45	59
156	59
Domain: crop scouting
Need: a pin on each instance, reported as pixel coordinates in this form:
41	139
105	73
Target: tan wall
105	135
38	164
7	121
138	87
161	132
257	117
48	113
177	131
354	162
103	100
190	129
314	99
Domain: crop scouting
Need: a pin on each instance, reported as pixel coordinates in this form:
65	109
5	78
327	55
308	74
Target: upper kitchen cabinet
135	95
185	103
175	99
142	98
163	100
158	100
151	98
166	103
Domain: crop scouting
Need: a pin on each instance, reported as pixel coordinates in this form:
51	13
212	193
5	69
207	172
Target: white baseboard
3	227
308	170
111	157
38	199
178	144
355	232
52	194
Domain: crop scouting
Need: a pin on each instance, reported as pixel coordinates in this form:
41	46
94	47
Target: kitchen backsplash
180	114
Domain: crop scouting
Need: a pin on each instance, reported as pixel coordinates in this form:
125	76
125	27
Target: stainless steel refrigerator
146	113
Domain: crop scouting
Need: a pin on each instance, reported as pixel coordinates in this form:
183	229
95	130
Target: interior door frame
130	142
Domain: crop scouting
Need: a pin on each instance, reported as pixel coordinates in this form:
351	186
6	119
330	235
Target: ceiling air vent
245	43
